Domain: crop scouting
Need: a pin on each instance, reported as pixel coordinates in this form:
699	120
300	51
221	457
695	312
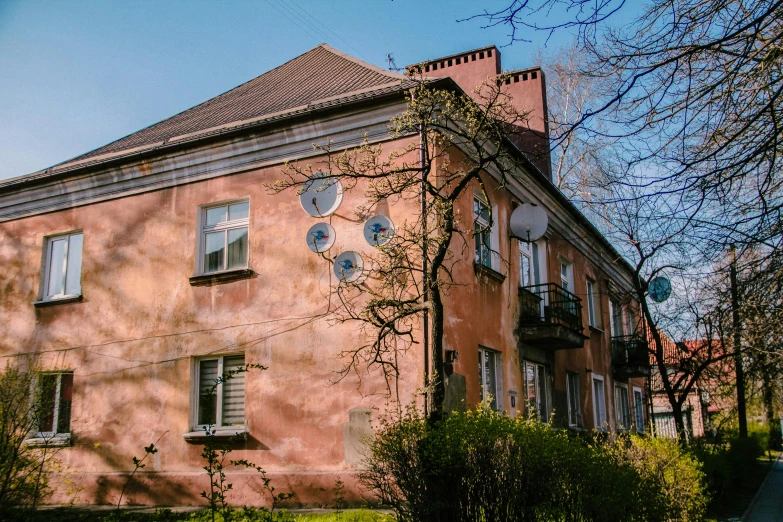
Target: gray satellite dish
320	237
528	222
659	289
321	196
378	230
348	266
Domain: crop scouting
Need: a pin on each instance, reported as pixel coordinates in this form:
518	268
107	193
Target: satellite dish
378	230
320	237
321	196
528	222
348	266
659	289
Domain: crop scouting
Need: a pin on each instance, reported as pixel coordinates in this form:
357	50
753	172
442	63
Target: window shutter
234	392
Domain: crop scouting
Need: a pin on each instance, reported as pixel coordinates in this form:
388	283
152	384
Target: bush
485	466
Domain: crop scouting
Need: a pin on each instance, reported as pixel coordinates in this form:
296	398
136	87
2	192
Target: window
638	409
490	375
631	321
574	403
616	318
528	264
56	393
224	237
63	272
599	403
591	308
536	390
483	232
565	275
221	405
622	410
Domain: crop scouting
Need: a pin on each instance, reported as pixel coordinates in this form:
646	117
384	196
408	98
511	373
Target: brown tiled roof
322	75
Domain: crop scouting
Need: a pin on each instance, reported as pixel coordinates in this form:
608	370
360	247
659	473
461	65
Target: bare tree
455	143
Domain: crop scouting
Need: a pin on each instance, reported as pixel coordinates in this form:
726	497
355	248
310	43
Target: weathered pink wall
132	340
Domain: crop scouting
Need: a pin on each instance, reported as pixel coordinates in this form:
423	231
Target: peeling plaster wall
131	342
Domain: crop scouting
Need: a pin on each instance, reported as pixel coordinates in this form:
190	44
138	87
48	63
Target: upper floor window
224	237
565	275
528	264
638	409
592	314
616	318
483	232
63	268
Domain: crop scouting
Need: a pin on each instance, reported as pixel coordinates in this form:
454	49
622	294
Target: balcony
550	317
630	356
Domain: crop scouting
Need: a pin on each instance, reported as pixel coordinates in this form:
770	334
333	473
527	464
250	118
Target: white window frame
47	266
615	330
573	408
498	392
638	414
591	308
567	279
600	424
541	387
54	437
195	397
620	388
492	231
226	226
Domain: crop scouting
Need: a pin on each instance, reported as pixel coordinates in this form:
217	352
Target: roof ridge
395	75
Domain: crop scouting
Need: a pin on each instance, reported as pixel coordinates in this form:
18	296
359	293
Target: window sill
60	440
60	300
596	329
218	278
482	270
224	434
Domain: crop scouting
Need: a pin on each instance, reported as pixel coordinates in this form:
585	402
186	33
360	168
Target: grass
731	507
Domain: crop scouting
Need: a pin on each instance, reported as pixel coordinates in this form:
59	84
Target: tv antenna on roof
390	62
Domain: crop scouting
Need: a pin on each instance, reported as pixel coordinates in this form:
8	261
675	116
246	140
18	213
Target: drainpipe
424	268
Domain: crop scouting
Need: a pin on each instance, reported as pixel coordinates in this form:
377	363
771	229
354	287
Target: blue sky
76	75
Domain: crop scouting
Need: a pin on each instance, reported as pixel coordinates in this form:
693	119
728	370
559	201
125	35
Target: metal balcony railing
630	350
549	305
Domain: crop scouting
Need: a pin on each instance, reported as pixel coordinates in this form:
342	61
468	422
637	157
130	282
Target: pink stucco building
137	272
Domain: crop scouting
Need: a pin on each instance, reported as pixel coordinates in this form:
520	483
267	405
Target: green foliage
483	465
266	482
23	479
138	464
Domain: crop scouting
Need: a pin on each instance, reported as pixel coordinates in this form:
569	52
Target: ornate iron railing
548	305
630	350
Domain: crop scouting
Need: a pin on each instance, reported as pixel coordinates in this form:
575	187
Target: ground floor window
219	401
56	392
490	377
574	404
599	402
536	393
638	408
622	409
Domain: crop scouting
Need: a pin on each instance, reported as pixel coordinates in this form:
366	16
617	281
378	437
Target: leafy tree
450	143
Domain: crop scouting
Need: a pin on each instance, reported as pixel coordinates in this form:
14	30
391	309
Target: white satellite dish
378	230
321	196
528	222
320	237
348	266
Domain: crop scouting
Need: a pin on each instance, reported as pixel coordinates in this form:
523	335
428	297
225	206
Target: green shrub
485	466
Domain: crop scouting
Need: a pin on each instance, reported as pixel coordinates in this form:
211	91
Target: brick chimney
526	87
